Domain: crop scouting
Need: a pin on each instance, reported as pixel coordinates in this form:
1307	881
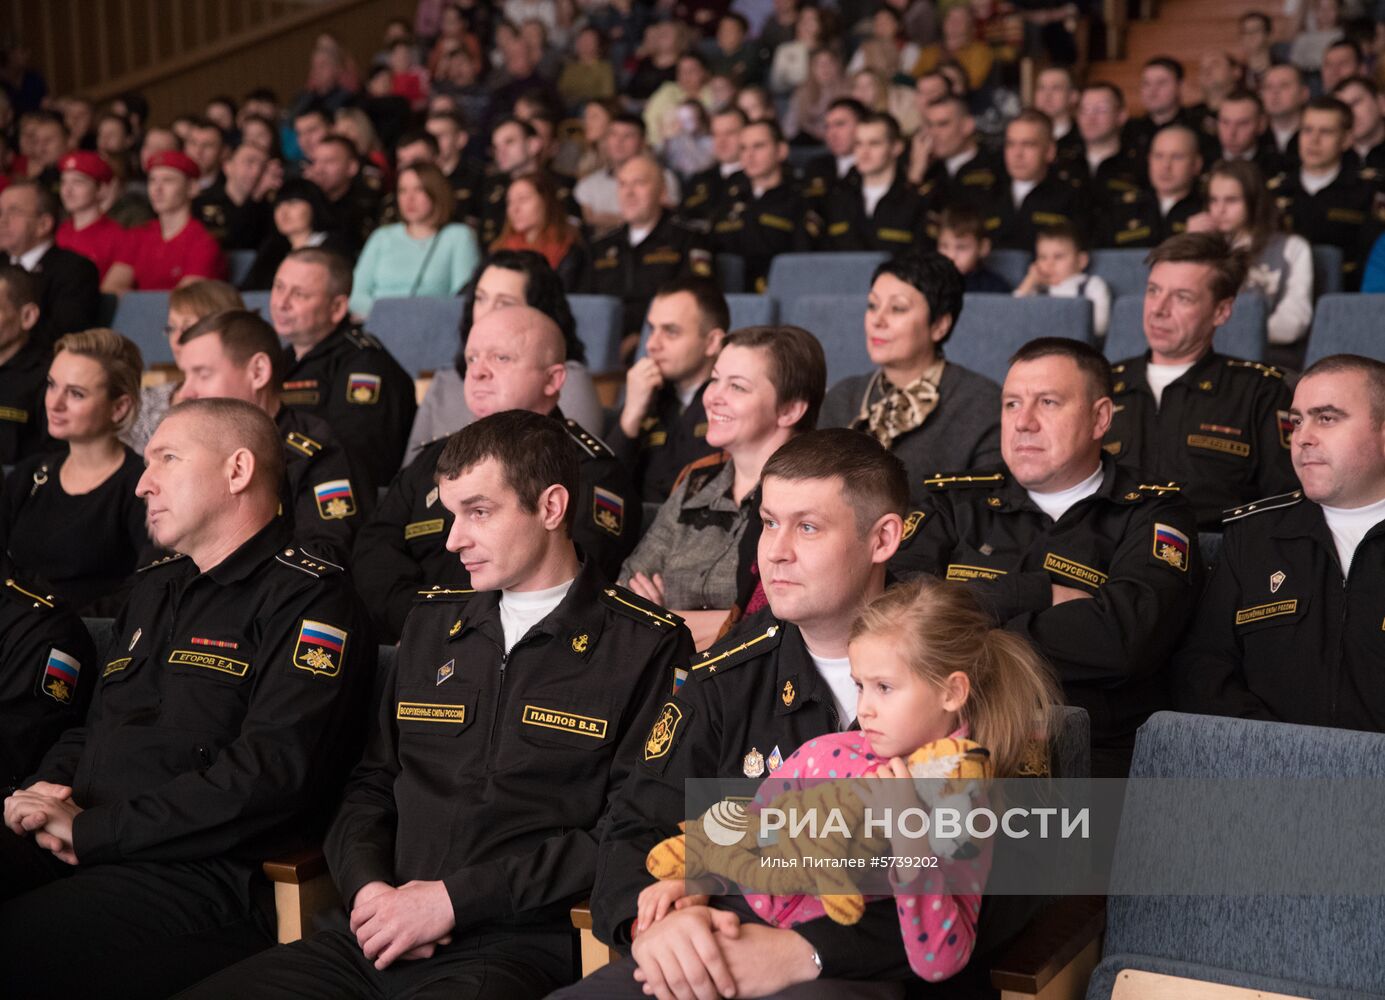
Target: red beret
175	160
87	163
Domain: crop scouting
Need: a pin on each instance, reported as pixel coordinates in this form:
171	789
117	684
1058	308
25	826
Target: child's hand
658	899
1033	281
892	796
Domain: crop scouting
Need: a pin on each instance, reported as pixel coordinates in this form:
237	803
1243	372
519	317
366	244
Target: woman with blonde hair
424	254
70	518
186	305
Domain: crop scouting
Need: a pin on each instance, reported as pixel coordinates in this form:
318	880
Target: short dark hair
1033	116
892	131
1346	43
797	365
243	335
935	276
1373	370
543	290
338	268
1109	88
310	111
633	120
1062	230
524	126
1241	94
1332	104
1260	18
1364	82
850	104
533	450
43	195
20	287
776	133
1091	362
711	303
964	220
456	116
731	109
959	102
874	480
334	139
414	135
1166	62
731	15
1228	265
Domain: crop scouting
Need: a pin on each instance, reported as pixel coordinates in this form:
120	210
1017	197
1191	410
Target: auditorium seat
598	328
1124	271
792	275
238	264
257	302
1327	270
1175	945
730	272
752	310
1347	324
993	327
1244	335
141	316
838	321
420	332
1012	265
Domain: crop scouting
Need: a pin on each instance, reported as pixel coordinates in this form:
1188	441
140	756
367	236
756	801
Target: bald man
1147	217
227	711
515	361
648	249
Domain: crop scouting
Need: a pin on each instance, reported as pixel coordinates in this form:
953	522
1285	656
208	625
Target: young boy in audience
962	240
1059	269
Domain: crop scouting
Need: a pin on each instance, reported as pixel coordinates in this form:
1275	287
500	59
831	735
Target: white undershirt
522	610
686	396
637	235
1061	129
956	163
1055	505
1313	183
844	164
30	260
1283	136
1166	203
1095	160
1160	377
872	193
1019	190
837	674
1349	526
727	169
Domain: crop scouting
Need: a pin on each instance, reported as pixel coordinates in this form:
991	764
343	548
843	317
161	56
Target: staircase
1183	29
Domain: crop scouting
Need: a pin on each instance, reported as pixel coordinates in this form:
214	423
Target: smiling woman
92	395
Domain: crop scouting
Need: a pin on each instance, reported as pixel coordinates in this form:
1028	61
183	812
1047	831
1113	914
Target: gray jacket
963	432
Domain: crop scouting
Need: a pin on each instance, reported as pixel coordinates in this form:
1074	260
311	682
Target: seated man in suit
69	292
223	724
1289	625
1091	562
515	361
511	719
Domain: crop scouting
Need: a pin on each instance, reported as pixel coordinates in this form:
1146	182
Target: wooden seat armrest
297	868
582	916
1056	935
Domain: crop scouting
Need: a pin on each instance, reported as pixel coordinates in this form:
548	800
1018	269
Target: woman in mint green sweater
426	254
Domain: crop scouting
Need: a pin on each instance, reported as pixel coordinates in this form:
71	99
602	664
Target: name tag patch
565	722
211	661
1073	570
1238	448
959	572
1262	611
420	711
417	529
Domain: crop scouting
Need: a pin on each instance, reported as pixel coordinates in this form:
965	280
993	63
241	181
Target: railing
181	52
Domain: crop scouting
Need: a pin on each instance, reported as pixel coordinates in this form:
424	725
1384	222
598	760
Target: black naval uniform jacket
1052	201
1135	219
1222	432
1132	546
747	702
759	228
400	552
671	438
325	502
1280	633
896	225
493	771
353	383
634	273
23	419
47	673
1348	214
225	716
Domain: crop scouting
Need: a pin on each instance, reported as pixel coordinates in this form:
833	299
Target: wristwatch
817	960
